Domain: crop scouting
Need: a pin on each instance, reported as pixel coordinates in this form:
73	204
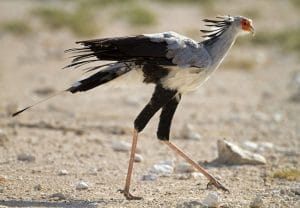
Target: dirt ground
76	132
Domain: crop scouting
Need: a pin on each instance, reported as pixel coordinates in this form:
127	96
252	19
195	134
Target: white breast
185	80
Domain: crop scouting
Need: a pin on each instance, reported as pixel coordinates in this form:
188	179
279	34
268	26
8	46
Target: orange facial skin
247	26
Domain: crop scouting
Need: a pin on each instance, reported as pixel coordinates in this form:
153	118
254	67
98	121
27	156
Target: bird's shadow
62	204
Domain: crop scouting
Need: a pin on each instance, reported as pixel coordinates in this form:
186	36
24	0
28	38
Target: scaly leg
159	98
212	180
126	192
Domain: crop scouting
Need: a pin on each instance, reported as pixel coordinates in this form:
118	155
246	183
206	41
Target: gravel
138	158
26	157
121	146
81	185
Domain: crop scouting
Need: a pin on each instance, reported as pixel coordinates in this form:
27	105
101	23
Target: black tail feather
111	72
39	102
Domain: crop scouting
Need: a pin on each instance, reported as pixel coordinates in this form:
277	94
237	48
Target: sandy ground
76	132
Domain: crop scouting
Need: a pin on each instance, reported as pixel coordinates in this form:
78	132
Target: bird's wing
168	48
137	49
183	51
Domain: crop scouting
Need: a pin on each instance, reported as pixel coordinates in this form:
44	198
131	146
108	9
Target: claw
217	184
129	196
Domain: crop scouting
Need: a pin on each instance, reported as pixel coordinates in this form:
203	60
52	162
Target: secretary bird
174	63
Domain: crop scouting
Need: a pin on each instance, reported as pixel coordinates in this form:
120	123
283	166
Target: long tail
99	78
94	51
39	102
108	74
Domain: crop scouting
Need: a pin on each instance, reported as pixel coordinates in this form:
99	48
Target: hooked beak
251	29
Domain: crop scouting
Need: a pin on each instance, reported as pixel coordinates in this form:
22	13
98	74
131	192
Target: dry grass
288	40
288	174
136	15
16	27
203	2
80	21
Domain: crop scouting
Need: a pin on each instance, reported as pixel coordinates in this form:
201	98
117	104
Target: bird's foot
217	184
128	195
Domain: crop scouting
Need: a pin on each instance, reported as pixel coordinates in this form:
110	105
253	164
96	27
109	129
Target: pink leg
212	180
130	167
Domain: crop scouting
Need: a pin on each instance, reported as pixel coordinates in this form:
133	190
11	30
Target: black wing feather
139	49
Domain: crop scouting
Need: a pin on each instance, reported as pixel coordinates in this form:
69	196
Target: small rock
257	147
295	97
277	117
138	158
188	132
3	138
162	168
44	91
26	157
231	154
212	200
63	172
149	177
249	145
190	204
37	187
58	196
261	116
296	190
81	185
121	146
257	202
197	175
93	171
183	176
184	168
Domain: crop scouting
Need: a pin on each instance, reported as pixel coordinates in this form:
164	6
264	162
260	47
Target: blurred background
254	96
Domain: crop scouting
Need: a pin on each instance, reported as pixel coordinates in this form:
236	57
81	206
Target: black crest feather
218	27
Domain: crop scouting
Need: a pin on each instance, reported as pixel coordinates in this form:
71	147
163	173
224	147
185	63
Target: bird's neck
220	47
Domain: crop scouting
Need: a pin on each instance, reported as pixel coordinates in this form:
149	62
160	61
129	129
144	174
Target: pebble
58	196
261	116
212	200
231	154
190	204
183	167
257	147
257	202
277	117
1	189
296	190
121	146
249	145
94	171
149	177
197	175
162	168
63	172
138	158
26	157
3	138
183	176
81	185
188	132
37	187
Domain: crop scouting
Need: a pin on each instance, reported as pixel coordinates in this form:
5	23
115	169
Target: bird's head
221	24
243	24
